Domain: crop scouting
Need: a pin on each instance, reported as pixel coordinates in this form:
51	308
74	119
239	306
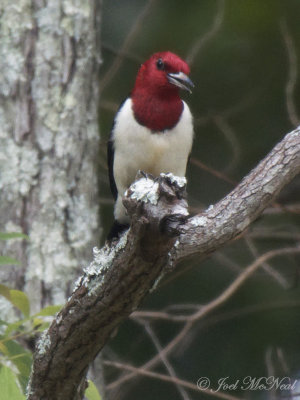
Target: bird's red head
162	74
155	96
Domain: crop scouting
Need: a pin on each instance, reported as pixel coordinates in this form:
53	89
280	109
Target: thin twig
212	171
125	54
270	234
164	359
204	40
127	43
292	74
205	310
160	315
181	382
282	360
266	267
270	370
240	280
231	137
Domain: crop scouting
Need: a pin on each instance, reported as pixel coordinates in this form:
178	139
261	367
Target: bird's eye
160	64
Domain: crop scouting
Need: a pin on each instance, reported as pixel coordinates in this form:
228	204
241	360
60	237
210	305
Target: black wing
111	156
110	163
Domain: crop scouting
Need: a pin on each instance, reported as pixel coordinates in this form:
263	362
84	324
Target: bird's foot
171	224
147	175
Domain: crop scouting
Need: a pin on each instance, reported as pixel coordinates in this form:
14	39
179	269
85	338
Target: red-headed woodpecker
153	129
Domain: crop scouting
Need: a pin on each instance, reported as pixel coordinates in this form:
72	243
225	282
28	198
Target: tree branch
121	275
222	222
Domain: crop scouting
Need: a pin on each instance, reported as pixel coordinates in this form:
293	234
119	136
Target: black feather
111	156
116	230
110	163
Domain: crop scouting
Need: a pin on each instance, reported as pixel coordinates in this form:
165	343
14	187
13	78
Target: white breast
138	148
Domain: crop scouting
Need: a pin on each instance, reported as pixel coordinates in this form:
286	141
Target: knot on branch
157	207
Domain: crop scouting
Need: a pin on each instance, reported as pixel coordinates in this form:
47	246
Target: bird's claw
171	224
148	176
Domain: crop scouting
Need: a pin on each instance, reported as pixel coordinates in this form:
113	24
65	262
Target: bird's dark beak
181	80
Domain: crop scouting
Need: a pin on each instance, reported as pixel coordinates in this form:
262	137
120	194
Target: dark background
242	71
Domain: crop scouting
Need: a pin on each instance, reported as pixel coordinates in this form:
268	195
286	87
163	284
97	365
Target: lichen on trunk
49	60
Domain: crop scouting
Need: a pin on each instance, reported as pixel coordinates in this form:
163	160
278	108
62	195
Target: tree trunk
49	59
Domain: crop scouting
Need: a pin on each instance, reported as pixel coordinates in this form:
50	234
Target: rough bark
232	215
122	274
49	59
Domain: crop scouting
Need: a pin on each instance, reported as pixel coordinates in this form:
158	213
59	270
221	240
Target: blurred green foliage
17	337
240	107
